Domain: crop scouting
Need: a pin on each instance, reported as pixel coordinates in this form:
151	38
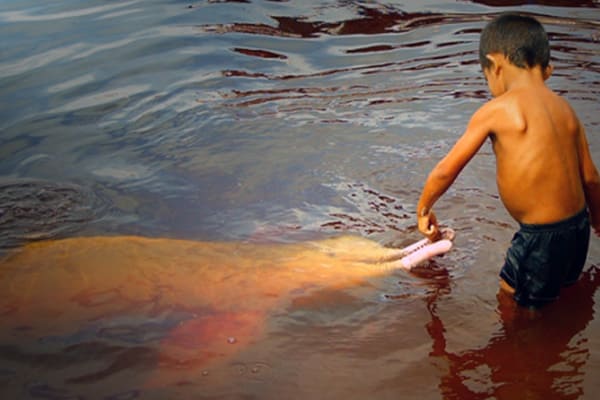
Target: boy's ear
495	61
548	71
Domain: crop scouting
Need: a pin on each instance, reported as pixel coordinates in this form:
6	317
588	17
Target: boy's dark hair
521	39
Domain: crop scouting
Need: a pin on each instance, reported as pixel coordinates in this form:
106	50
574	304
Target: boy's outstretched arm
590	180
446	171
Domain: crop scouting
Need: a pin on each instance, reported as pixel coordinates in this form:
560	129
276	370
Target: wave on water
247	108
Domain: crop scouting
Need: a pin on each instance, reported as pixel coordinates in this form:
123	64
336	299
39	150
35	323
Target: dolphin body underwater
168	309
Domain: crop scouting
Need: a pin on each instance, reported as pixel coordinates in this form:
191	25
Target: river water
277	122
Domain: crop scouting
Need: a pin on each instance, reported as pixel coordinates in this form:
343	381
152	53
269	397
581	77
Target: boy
545	175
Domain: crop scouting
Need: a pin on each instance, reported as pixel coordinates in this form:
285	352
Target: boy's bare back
537	141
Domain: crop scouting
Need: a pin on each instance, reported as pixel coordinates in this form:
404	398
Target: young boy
545	174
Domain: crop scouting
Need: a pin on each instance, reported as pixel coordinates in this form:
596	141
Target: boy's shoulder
517	110
501	113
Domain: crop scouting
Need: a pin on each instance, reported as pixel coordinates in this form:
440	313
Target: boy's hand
428	226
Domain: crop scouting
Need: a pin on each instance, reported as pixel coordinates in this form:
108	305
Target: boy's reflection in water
535	354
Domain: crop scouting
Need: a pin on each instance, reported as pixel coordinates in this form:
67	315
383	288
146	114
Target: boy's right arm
590	180
446	171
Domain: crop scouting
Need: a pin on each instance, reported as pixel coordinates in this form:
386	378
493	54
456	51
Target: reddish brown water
254	130
128	317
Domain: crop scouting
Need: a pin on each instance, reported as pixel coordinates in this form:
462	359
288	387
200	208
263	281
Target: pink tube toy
423	250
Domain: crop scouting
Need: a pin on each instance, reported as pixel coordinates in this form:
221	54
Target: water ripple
36	210
42	14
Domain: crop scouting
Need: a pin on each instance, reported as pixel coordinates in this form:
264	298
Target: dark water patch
115	332
324	99
230	73
385	47
260	53
412	61
39	210
67	356
371	21
433	278
229	1
551	3
375	212
126	395
39	390
371	49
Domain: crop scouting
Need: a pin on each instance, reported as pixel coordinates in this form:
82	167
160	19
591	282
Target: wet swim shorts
544	258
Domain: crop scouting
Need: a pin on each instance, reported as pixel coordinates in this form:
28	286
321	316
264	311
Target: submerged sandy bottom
130	317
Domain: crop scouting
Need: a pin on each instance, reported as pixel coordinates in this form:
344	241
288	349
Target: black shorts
544	258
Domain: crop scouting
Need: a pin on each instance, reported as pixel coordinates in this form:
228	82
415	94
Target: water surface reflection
259	122
534	353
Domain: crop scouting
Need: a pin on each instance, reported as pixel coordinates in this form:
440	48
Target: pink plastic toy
423	250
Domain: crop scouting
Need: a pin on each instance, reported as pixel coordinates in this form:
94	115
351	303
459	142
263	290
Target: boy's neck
502	75
515	77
